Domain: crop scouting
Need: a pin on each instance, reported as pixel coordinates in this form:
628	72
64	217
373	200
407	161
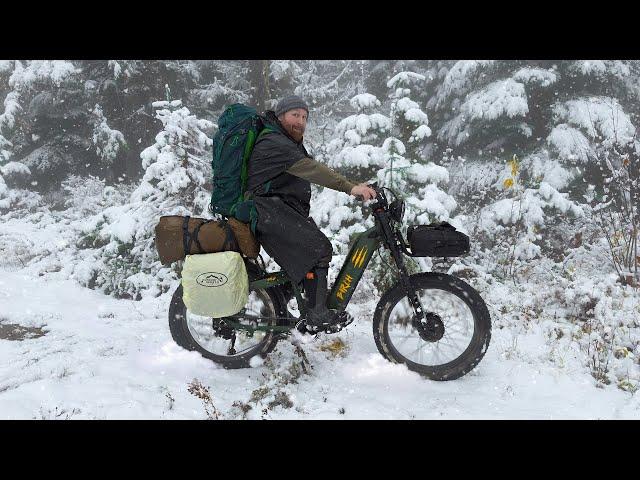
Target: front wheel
451	339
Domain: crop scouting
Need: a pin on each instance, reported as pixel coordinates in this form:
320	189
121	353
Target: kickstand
232	350
305	364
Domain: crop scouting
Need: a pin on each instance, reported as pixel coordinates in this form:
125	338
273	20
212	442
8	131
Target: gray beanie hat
289	103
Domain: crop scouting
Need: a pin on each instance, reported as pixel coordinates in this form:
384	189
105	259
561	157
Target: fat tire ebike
434	323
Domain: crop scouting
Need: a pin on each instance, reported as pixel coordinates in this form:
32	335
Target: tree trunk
259	80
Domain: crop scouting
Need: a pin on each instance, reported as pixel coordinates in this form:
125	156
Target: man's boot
319	315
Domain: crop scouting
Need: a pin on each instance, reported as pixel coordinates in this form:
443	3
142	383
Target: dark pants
294	241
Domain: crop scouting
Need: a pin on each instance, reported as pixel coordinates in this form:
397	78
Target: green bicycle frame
363	248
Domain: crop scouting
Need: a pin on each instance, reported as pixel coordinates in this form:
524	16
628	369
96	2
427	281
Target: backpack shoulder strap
265	130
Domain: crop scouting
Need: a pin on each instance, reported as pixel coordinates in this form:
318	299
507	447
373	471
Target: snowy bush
177	174
514	224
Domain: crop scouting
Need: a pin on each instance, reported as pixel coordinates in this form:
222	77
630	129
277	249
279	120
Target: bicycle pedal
333	329
303	328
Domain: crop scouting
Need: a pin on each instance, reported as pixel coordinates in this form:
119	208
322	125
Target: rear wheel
451	339
216	340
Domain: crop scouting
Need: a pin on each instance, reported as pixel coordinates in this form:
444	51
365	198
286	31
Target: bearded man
279	175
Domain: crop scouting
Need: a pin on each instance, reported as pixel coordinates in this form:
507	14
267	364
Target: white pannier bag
215	284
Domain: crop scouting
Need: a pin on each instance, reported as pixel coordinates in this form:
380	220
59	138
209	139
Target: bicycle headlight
396	209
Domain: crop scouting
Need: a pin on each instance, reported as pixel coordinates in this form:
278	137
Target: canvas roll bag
215	284
178	236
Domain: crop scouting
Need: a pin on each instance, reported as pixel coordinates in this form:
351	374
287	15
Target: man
279	176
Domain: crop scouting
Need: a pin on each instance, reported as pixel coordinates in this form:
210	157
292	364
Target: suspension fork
391	241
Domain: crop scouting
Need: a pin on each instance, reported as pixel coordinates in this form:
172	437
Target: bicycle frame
356	262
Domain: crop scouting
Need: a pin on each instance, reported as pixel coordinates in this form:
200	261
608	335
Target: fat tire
182	336
458	367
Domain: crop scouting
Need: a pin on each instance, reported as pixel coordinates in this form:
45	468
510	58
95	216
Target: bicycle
434	323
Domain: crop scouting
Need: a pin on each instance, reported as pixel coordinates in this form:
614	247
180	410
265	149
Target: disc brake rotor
431	329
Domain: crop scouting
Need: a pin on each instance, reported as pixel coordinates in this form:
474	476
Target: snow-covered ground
103	358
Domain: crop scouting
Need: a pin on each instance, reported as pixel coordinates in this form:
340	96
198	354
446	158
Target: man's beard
296	134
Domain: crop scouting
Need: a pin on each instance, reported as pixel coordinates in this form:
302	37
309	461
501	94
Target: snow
599	117
536	76
459	79
103	358
503	98
600	68
280	69
360	156
432	202
6	66
117	68
404	78
570	143
549	170
11	109
13	168
363	123
107	141
84	299
429	173
392	144
363	101
558	200
420	133
54	71
121	227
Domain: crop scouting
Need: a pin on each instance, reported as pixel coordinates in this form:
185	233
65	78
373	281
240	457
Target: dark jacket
273	154
282	203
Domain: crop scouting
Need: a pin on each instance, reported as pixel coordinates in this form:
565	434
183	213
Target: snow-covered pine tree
108	142
405	169
487	111
354	153
176	182
490	110
374	147
45	136
11	132
6	125
124	91
219	84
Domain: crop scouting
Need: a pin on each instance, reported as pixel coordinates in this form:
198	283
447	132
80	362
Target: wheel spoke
203	329
454	345
457	322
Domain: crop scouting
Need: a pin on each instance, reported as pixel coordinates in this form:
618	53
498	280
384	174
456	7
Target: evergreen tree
371	146
551	114
177	181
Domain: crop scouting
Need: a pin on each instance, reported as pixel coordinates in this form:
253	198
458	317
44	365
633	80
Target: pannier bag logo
211	279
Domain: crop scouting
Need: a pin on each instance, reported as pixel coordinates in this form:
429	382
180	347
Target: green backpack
239	127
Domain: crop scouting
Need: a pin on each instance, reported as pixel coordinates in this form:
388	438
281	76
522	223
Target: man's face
295	122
